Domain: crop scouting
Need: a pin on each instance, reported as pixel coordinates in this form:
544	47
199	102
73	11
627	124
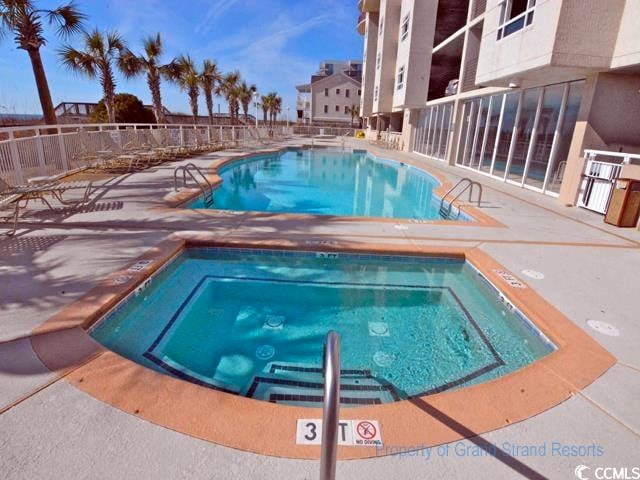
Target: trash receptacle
624	204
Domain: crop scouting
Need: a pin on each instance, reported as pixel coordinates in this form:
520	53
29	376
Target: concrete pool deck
48	428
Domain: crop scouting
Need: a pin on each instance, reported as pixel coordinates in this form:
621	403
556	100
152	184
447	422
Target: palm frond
68	18
130	64
77	61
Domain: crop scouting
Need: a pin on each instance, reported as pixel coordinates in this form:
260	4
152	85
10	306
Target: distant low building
333	91
80	112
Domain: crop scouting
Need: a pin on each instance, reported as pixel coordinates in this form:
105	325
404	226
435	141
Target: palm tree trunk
109	90
43	88
154	87
209	100
193	100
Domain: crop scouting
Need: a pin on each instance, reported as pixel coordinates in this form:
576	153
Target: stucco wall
415	52
319	100
389	20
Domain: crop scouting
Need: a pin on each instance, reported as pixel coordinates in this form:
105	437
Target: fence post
181	136
40	150
15	159
209	133
63	150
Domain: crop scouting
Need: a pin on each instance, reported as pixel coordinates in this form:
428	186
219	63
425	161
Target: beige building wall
414	52
388	24
369	63
609	120
503	61
627	49
332	84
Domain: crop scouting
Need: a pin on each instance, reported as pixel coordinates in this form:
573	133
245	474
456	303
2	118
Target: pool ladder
206	187
331	406
445	208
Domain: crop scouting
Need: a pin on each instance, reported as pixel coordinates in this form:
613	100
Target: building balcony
362	22
369	5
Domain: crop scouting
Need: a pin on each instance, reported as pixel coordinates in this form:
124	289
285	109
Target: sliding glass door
521	136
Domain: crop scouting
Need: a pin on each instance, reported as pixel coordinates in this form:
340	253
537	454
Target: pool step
303	385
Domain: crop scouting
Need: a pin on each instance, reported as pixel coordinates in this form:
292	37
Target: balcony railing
362	20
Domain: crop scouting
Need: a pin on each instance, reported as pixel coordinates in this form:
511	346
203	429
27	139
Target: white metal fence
40	150
599	177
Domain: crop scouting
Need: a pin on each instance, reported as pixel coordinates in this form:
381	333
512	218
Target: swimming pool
327	182
253	323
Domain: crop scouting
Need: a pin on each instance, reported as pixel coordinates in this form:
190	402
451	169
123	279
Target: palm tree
24	21
229	88
275	107
149	63
101	51
266	106
209	79
183	72
354	110
245	96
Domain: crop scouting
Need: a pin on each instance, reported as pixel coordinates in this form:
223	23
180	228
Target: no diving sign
360	433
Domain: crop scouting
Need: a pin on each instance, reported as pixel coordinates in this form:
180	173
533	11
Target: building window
347	93
326	109
346	110
375	94
404	28
337	91
359	92
381	28
326	92
378	59
337	108
400	78
514	16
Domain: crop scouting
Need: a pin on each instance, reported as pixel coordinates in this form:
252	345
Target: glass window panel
432	129
544	136
466	107
566	134
506	132
527	119
479	134
444	144
470	132
438	139
494	118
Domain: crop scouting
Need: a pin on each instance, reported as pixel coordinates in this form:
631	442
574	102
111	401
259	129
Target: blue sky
275	44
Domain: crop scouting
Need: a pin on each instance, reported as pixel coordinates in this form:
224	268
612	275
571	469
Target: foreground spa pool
253	323
328	182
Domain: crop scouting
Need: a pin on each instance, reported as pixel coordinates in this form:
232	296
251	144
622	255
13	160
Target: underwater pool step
307	387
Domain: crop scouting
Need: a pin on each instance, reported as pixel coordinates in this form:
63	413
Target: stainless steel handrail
331	410
187	169
470	184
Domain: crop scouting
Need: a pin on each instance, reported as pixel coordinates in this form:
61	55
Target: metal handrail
207	191
331	408
470	184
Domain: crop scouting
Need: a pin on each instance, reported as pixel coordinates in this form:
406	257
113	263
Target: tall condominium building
332	94
514	89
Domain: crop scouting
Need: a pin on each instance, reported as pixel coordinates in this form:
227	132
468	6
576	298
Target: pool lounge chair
12	196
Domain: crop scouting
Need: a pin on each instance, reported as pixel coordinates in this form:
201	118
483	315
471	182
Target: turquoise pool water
253	322
327	182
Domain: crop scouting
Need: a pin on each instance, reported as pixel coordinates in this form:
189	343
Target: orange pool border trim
64	346
479	218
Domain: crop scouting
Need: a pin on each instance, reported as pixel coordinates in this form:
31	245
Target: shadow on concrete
492	449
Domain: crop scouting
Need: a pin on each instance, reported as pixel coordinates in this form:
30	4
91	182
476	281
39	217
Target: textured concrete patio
49	429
